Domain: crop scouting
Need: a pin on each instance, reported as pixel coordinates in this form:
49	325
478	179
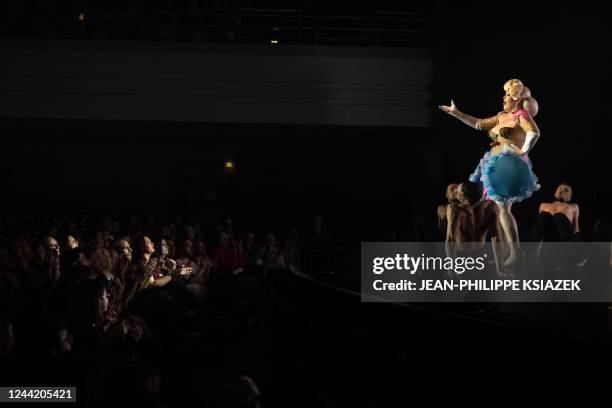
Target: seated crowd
155	310
111	307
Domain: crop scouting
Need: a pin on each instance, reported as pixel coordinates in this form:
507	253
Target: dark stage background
367	176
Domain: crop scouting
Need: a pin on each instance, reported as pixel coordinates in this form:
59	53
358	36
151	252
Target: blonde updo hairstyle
522	94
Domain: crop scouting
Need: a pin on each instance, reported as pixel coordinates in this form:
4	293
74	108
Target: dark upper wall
356	175
215	83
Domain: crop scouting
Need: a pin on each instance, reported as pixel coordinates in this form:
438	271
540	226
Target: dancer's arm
471	121
450	222
449	247
532	133
575	221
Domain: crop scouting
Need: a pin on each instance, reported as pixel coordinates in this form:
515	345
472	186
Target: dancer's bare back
473	223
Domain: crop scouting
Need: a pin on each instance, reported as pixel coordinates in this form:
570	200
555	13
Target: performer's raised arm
471	121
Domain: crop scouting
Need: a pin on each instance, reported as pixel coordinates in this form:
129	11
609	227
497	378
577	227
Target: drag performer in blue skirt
505	170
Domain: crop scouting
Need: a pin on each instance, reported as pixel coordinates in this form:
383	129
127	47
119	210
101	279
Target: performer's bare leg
510	228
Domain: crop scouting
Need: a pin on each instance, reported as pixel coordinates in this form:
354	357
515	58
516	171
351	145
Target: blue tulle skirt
506	176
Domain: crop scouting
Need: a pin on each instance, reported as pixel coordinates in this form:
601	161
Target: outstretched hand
451	110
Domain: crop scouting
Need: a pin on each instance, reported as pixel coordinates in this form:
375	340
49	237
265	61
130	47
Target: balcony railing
248	26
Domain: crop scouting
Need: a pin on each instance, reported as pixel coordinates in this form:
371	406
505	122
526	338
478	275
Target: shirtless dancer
430	229
451	197
563	205
472	219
